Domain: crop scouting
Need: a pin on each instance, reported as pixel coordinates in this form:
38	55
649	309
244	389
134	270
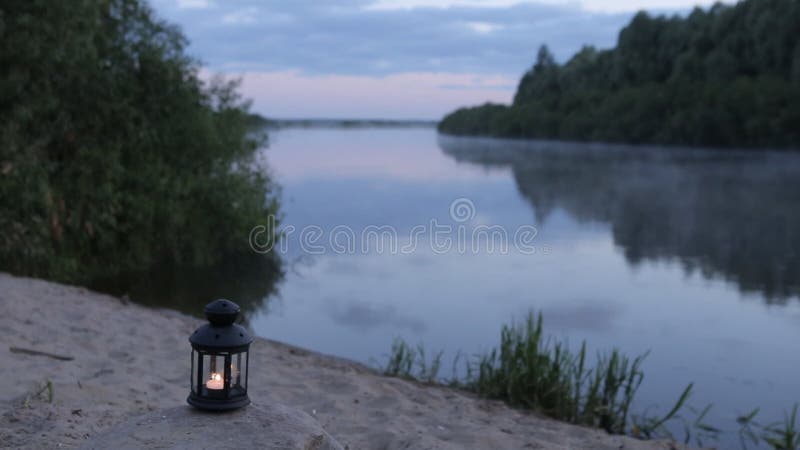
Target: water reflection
363	315
250	281
724	214
591	315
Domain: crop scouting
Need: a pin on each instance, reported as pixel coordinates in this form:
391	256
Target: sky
390	59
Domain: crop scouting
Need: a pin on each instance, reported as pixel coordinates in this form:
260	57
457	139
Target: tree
719	77
541	82
114	155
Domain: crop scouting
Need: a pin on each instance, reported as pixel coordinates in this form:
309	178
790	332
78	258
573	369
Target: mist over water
725	214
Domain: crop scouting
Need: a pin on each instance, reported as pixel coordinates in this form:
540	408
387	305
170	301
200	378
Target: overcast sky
390	58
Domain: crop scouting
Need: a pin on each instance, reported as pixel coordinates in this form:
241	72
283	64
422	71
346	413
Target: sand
107	360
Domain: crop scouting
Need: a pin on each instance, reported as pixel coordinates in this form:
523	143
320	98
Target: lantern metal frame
221	341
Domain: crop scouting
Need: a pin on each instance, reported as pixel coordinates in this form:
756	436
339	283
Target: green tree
114	155
717	77
541	81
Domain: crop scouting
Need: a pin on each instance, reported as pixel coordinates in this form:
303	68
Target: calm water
693	255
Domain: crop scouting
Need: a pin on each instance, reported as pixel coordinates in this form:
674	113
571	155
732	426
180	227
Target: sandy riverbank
118	359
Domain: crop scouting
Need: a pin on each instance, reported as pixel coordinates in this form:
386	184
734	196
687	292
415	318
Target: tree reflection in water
727	214
249	281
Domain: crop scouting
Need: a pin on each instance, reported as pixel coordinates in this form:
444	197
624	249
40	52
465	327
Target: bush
114	155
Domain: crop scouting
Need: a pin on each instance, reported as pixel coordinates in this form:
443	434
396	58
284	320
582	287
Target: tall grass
406	361
531	370
778	435
785	435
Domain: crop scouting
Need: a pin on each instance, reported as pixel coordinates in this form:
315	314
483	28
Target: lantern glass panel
213	379
193	379
239	370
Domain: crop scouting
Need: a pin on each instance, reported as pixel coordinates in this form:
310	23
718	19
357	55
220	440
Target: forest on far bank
726	76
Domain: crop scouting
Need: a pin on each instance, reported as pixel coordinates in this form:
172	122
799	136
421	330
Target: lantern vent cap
221	334
222	312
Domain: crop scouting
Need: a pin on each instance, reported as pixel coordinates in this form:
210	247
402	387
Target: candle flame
216	376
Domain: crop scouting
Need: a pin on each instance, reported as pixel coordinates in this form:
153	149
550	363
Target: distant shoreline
256	120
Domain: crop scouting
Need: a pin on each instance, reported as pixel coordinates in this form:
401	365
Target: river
690	254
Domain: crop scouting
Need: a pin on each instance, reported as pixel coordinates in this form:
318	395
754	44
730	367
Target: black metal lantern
220	360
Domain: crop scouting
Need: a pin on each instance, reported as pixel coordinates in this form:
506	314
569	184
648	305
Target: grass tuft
530	370
404	359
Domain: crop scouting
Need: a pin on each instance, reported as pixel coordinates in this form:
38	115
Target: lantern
220	359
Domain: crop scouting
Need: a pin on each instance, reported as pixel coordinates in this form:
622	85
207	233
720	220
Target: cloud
483	27
389	58
193	4
352	37
591	5
240	17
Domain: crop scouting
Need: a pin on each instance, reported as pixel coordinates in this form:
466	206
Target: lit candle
215	382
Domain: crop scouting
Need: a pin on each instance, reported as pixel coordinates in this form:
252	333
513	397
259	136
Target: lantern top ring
221	334
221	312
